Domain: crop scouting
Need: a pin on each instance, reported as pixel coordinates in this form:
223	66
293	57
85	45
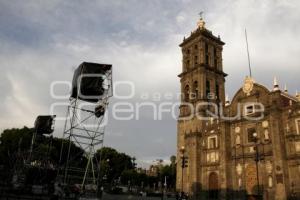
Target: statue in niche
266	134
240	182
239	169
270	181
269	167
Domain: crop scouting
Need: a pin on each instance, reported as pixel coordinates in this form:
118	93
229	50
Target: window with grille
195	89
250	132
298	126
207	88
206	54
217	91
297	147
187	93
212	142
215	58
196	60
249	110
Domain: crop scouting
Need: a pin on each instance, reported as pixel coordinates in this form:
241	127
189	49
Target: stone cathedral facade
242	149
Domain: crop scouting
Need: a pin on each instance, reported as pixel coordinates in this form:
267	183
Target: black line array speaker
90	78
44	124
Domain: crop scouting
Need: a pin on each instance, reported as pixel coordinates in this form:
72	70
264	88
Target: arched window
206	54
215	58
238	140
217	91
188	64
187	93
207	88
195	90
195	60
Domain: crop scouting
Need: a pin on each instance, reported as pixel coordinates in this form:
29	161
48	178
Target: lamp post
183	158
255	136
106	174
293	195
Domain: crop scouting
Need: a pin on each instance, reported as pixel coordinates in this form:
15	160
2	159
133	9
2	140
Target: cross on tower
201	14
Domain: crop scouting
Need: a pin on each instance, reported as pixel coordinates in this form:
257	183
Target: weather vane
201	14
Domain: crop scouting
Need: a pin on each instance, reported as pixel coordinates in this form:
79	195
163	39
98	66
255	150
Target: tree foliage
15	148
113	163
114	166
14	141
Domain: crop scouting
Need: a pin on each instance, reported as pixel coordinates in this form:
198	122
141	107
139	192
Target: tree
14	141
173	160
169	171
112	163
136	179
15	146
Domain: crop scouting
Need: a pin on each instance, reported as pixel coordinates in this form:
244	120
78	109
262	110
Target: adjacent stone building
239	149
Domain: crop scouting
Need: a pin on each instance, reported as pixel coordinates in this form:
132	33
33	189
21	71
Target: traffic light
185	162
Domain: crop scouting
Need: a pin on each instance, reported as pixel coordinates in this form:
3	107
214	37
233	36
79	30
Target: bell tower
202	63
202	82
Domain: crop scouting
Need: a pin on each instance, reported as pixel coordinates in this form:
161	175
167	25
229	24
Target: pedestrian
144	194
58	192
101	192
177	196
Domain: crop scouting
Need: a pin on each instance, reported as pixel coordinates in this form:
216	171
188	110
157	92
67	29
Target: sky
42	42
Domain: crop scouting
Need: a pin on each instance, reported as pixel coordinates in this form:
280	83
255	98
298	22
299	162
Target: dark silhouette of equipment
44	124
99	110
85	125
88	80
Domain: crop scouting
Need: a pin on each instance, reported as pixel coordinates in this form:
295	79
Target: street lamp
255	136
292	190
183	158
165	183
106	174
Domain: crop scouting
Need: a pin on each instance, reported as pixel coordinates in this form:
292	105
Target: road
124	197
105	197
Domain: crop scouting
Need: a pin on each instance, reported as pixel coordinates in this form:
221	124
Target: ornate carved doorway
251	179
251	183
213	185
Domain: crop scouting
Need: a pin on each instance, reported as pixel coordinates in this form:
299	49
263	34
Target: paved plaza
121	197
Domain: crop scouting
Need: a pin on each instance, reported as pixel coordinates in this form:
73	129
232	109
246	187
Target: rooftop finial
201	14
297	95
275	84
227	101
201	22
285	88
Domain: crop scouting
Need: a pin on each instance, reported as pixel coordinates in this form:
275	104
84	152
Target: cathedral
246	148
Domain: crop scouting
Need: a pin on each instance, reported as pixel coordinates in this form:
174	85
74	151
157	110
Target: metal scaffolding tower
84	127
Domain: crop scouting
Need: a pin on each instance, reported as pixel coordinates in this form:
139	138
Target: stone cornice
203	32
204	66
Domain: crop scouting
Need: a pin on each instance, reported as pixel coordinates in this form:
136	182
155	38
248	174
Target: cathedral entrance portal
213	184
251	179
251	182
